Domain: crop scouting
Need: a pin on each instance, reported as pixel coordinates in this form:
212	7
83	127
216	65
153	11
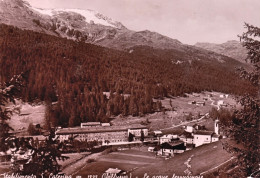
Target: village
162	144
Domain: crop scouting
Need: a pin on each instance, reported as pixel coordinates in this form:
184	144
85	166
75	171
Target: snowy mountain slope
82	25
92	27
89	16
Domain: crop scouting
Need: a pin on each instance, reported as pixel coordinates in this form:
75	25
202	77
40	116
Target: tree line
71	77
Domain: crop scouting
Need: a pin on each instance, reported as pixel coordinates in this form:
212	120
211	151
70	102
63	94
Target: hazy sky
189	21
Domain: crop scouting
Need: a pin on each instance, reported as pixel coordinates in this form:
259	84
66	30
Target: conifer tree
8	92
243	128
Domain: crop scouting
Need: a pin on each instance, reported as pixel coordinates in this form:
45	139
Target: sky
189	21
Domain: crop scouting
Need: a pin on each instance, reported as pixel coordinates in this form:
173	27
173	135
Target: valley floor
139	161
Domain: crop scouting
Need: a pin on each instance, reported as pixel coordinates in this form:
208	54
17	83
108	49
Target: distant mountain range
83	25
233	49
72	56
92	27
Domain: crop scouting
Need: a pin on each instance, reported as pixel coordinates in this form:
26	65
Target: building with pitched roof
169	148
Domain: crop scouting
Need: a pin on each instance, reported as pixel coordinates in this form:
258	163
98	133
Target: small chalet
167	138
157	133
188	128
196	95
220	102
223	96
223	105
168	149
200	103
151	149
105	124
192	102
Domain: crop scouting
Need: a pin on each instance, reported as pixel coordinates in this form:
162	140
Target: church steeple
216	127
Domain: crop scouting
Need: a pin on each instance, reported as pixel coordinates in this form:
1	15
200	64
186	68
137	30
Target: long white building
111	134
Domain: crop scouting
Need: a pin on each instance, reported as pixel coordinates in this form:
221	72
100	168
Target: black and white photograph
129	88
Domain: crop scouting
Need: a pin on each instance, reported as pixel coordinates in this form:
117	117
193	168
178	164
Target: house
220	102
200	103
167	138
169	148
215	138
223	105
192	102
223	96
197	135
157	133
187	138
189	147
202	137
196	95
188	128
151	149
105	124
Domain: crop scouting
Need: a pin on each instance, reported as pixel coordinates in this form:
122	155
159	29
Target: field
212	155
127	160
72	158
138	162
28	114
4	168
177	111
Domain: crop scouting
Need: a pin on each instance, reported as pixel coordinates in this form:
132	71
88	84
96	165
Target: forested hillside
75	75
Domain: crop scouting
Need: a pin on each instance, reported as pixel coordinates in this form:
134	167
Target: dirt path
120	161
185	123
133	155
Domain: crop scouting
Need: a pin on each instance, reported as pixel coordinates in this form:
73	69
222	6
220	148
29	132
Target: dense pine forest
74	75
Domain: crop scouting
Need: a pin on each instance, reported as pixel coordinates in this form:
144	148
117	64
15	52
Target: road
193	121
187	122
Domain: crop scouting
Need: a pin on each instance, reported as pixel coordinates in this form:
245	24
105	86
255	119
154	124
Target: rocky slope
82	25
232	49
92	27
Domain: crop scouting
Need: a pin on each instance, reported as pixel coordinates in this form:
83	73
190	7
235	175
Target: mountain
232	49
82	25
67	58
92	27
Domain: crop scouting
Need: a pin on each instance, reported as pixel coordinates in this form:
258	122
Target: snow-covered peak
43	11
89	15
